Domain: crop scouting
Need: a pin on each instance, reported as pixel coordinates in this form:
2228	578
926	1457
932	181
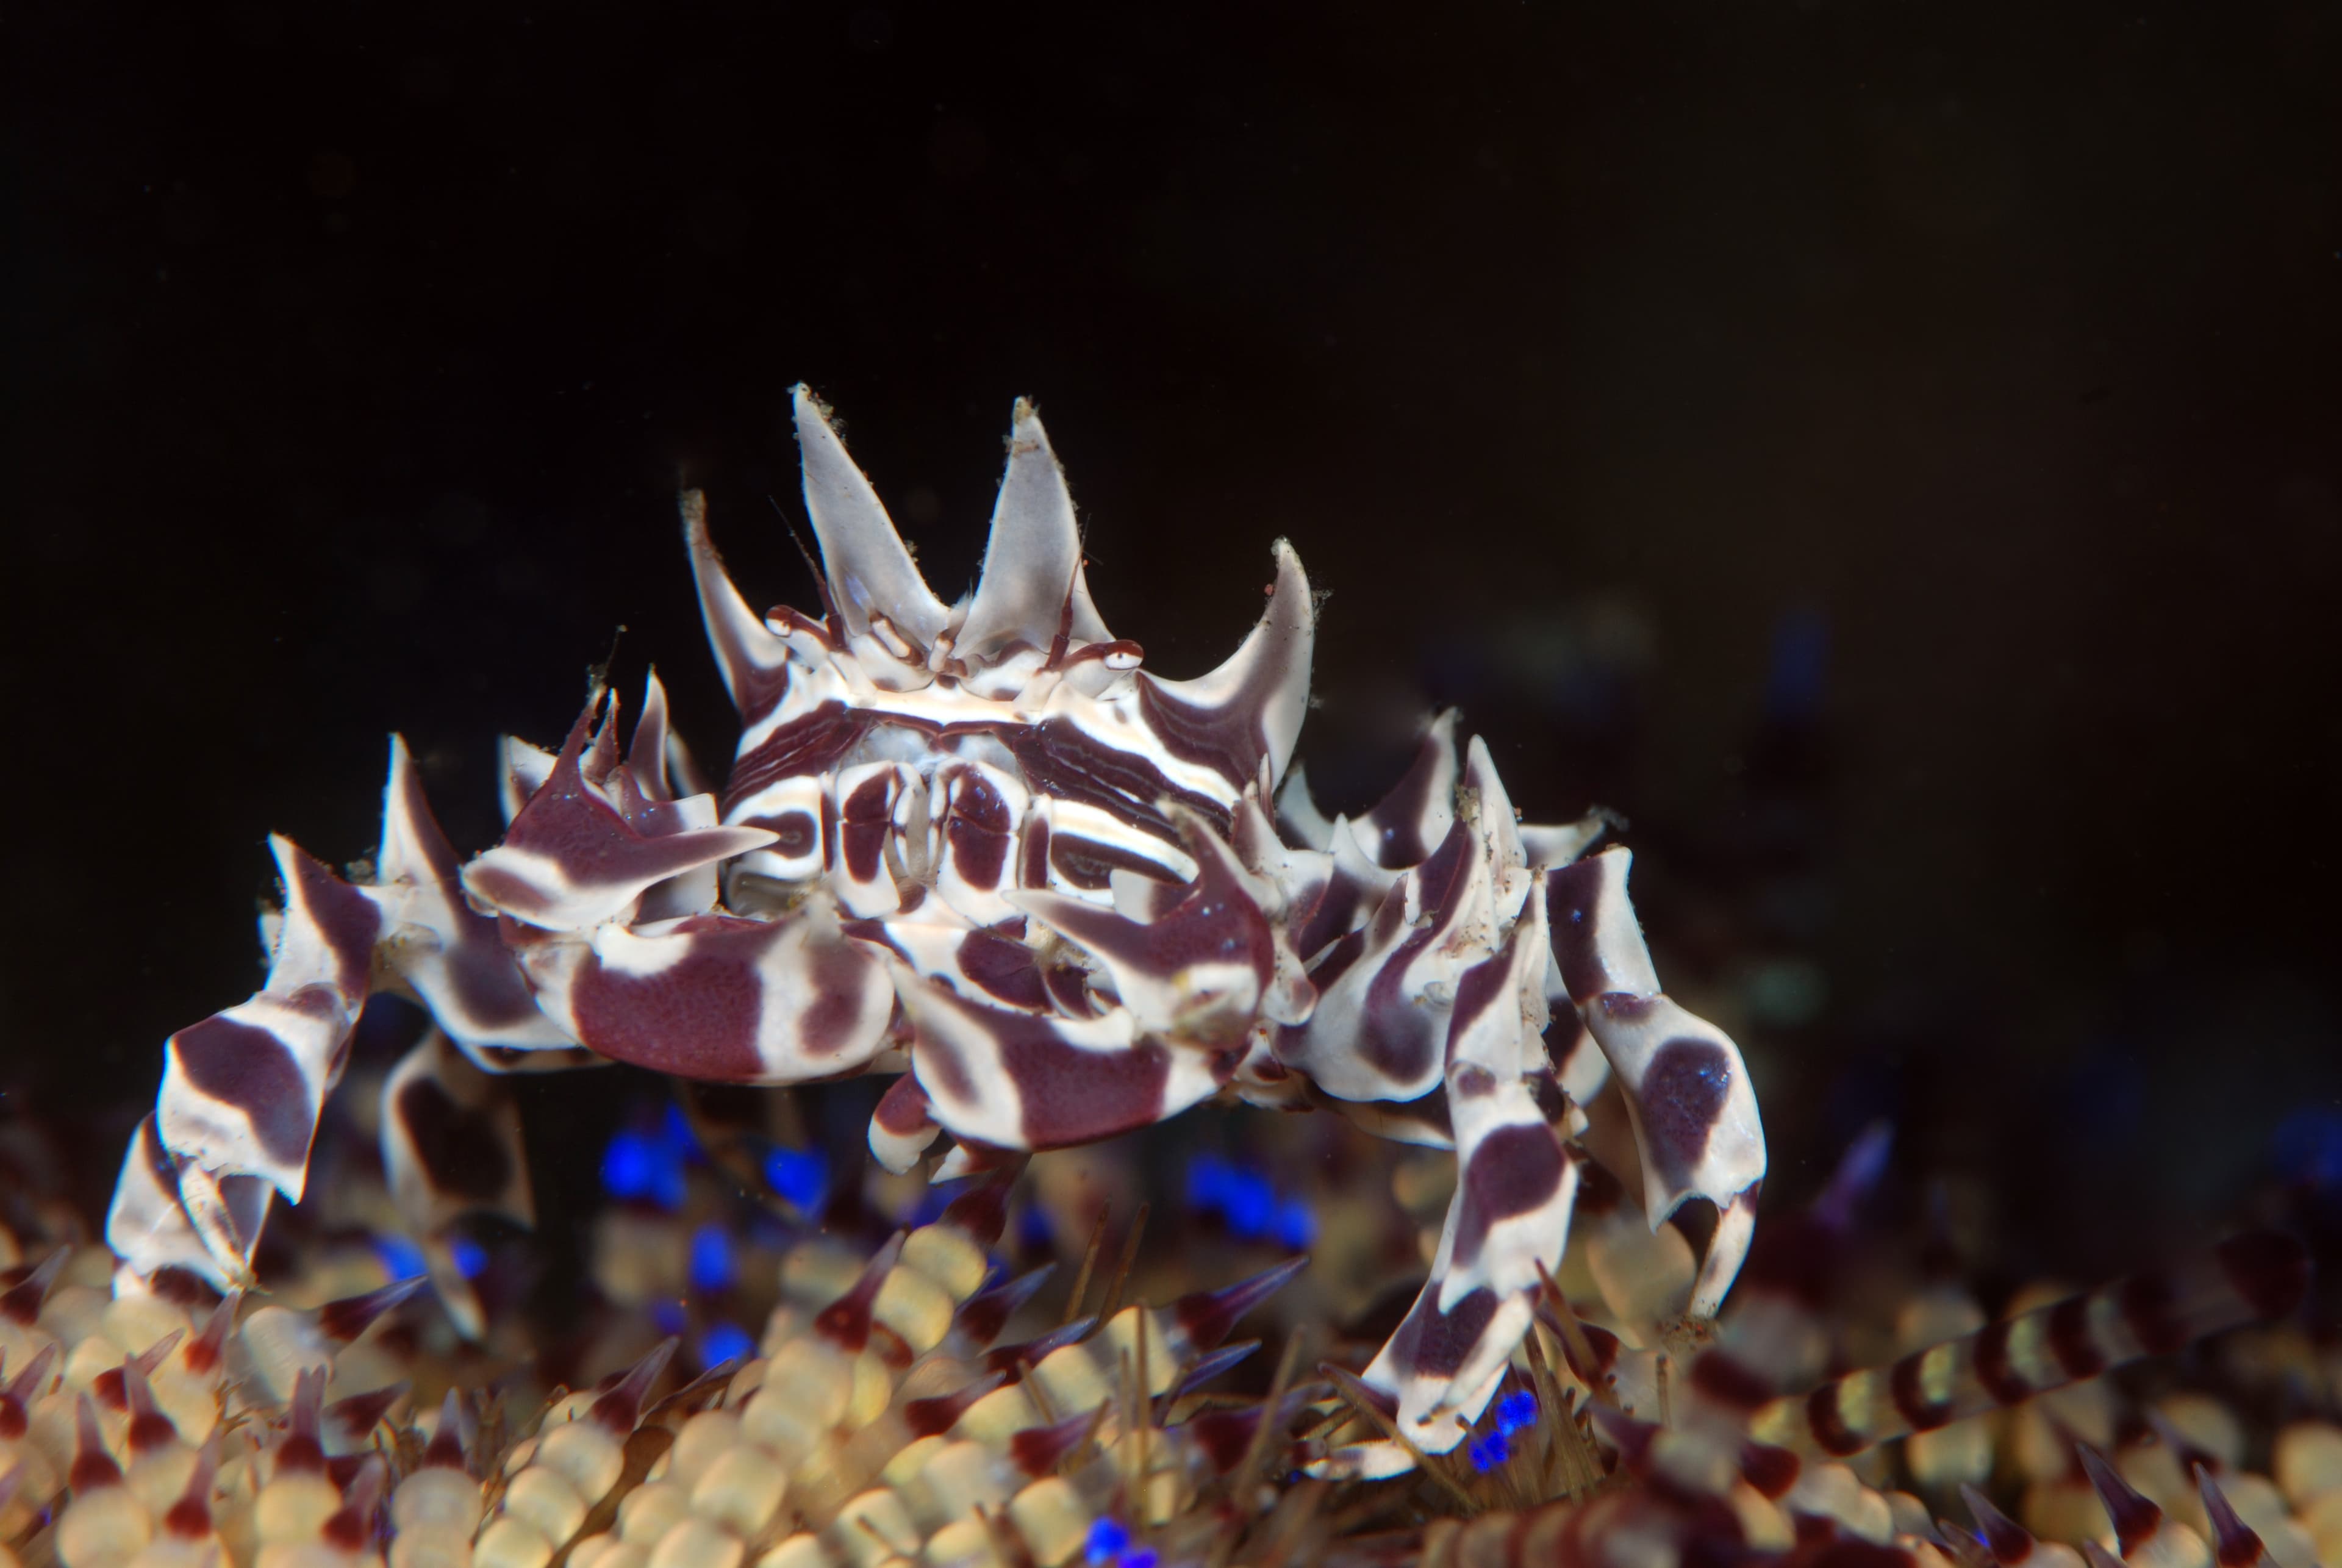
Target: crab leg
243	1091
1686	1087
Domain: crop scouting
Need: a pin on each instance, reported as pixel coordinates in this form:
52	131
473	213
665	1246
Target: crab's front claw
1685	1086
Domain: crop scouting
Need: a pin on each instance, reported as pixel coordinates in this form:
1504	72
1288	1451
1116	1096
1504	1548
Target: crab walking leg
1686	1087
1507	1224
243	1091
451	1148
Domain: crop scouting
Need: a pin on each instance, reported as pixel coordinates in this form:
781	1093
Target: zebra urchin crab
980	847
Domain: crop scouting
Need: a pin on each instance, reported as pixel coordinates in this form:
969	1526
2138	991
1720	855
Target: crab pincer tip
2008	1542
2135	1516
1209	1316
619	1409
2235	1544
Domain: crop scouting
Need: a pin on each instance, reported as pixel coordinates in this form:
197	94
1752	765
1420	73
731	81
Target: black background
353	353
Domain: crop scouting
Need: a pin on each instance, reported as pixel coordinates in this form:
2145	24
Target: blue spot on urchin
1244	1200
640	1165
1250	1205
1107	1541
1515	1412
1489	1451
800	1176
470	1258
401	1259
712	1266
628	1165
1138	1557
669	1316
725	1341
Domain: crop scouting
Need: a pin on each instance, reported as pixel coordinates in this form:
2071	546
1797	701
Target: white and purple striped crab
980	847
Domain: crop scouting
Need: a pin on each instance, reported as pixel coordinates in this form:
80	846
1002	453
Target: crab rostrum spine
981	845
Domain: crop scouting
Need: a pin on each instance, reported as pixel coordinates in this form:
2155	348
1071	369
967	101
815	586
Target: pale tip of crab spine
870	571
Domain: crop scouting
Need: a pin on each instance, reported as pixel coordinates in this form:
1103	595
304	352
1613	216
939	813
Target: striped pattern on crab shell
1202	969
439	943
717	997
1510	1214
148	1224
1026	661
1433	1000
590	842
1384	988
1018	1080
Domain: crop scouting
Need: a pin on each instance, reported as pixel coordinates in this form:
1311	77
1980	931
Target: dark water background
1891	451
